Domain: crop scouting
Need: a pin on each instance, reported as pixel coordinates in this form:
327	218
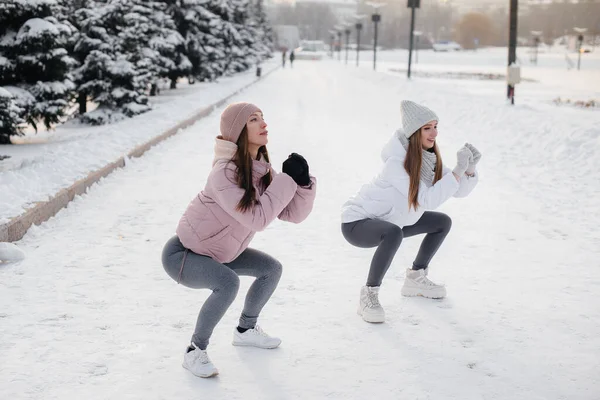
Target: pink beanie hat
234	118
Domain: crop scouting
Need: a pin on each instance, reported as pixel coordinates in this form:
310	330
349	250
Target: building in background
286	37
466	6
344	10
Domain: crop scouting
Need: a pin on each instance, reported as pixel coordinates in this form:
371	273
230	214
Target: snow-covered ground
42	164
90	313
552	68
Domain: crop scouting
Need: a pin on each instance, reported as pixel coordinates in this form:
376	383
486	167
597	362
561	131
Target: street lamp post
512	44
376	18
580	31
536	42
331	42
412	4
359	27
347	32
339	45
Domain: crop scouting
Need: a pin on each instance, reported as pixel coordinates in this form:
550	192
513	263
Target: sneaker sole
258	347
214	373
373	320
412	292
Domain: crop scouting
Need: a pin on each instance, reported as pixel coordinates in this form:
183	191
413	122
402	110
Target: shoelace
200	355
259	331
423	279
373	299
204	357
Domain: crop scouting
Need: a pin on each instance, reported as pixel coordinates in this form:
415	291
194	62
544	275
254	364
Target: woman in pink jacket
243	195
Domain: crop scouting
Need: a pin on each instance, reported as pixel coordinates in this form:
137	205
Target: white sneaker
416	283
198	363
255	337
369	308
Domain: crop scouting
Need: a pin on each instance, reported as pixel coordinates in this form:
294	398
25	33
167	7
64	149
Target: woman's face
257	130
428	134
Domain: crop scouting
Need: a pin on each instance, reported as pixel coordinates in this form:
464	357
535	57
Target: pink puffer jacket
212	226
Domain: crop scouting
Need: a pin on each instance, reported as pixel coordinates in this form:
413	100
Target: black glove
297	167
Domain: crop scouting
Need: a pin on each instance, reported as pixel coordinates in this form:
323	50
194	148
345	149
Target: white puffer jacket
386	196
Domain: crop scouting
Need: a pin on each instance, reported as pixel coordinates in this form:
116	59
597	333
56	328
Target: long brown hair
243	162
412	165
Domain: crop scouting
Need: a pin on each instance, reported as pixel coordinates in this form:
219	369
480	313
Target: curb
17	227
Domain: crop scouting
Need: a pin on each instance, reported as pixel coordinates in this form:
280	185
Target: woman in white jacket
398	203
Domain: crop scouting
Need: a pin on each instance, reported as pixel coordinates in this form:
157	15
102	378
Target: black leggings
387	237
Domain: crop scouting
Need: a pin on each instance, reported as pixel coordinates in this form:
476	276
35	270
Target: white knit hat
414	116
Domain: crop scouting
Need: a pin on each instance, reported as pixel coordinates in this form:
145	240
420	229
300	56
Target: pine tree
33	42
115	72
9	111
245	51
241	33
87	38
124	47
205	46
159	44
173	61
227	35
10	120
263	30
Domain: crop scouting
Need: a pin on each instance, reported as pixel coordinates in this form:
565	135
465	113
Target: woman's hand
463	157
476	157
297	167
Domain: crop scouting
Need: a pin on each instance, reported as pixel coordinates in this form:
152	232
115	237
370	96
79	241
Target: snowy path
91	314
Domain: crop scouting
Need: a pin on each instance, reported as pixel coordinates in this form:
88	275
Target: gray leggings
387	237
202	272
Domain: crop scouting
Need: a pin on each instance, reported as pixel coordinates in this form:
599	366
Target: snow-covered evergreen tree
10	117
152	31
80	44
114	72
243	31
172	60
9	111
225	29
89	38
200	29
124	47
245	50
262	30
32	44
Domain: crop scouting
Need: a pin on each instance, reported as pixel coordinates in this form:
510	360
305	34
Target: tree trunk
173	83
5	139
82	100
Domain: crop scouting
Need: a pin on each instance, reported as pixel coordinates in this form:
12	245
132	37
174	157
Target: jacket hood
394	147
225	151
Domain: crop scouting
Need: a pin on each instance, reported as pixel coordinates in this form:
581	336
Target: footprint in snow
98	370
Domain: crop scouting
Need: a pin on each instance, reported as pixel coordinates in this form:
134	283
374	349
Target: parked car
311	50
446	45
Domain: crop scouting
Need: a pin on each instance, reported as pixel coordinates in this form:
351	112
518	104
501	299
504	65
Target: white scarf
428	161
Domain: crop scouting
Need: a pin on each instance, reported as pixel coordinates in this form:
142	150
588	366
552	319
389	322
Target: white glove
475	160
463	156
